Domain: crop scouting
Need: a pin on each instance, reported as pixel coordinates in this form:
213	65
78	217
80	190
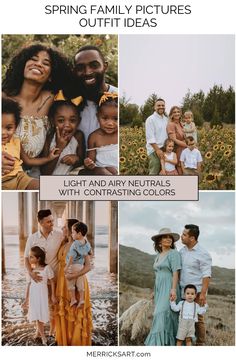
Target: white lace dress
38	296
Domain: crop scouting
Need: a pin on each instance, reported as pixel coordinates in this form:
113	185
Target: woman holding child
167	266
73	324
176	133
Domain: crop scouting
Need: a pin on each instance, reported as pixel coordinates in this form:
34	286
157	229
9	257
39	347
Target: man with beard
90	69
156	135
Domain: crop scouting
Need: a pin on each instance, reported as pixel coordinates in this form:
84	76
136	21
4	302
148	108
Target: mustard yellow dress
73	326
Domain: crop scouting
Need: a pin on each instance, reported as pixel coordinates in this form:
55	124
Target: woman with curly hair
33	77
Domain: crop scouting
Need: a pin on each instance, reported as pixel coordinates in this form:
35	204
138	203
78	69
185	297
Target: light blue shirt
155	126
78	251
196	265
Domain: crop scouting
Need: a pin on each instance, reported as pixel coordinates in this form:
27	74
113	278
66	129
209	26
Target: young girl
189	125
102	152
170	159
75	261
17	178
64	116
37	293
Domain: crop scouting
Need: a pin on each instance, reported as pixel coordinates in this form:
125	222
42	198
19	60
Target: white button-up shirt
188	310
51	246
155	126
196	265
190	158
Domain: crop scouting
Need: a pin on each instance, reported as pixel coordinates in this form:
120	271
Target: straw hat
166	231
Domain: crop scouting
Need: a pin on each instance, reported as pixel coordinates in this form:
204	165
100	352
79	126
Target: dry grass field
220	318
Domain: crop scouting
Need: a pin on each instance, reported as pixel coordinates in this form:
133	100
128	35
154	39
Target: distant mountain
136	268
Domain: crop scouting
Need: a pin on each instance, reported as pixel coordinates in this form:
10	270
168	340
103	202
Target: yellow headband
106	96
60	96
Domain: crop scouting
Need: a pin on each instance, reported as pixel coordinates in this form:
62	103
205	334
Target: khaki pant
200	328
154	164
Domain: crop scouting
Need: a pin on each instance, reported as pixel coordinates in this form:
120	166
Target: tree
216	120
147	109
129	113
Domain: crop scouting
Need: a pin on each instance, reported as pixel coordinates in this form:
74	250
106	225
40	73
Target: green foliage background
68	45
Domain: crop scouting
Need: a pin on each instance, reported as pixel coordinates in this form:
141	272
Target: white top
155	131
107	155
187	309
196	265
61	168
89	121
51	246
190	158
168	166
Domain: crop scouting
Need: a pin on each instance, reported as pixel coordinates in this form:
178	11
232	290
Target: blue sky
169	65
214	213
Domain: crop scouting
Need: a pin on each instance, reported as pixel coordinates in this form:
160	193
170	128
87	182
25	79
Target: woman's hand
89	163
54	299
173	294
7	163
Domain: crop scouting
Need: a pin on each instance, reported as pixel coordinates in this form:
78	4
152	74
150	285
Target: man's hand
160	154
7	163
36	276
202	299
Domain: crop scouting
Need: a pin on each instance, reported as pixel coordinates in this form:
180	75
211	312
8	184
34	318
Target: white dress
70	148
106	156
38	296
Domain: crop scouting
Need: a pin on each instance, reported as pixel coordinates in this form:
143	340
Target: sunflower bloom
208	155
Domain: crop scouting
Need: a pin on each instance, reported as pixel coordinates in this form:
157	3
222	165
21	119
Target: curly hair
9	106
61	70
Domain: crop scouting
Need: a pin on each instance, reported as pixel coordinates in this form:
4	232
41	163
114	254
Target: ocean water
103	288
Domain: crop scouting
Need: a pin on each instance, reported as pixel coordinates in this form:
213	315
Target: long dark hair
39	253
70	222
60	77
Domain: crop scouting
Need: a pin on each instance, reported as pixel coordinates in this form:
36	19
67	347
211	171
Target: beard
91	91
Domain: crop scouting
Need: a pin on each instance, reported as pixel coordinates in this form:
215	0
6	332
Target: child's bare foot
73	302
24	306
44	341
51	333
80	304
36	335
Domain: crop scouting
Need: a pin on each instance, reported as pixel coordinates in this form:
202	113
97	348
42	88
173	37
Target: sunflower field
215	144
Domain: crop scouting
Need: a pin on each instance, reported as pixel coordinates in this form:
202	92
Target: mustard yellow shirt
13	148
